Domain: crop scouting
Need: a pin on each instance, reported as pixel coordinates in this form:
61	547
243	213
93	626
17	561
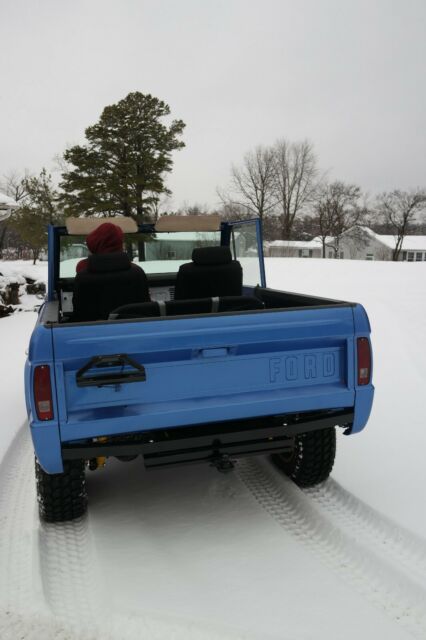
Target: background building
358	243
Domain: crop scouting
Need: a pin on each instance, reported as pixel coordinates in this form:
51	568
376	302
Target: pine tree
122	168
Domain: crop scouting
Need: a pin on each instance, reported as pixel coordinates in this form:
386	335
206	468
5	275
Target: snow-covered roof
410	243
6	202
296	244
185	236
6	206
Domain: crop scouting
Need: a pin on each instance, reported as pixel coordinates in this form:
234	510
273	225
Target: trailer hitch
222	462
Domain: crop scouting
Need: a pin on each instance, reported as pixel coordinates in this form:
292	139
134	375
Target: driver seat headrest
211	255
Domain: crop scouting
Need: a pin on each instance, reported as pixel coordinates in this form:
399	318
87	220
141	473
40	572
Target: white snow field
188	553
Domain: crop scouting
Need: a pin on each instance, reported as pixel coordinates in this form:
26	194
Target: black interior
187	307
112	288
274	299
212	272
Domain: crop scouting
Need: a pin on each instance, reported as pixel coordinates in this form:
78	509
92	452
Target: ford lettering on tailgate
315	367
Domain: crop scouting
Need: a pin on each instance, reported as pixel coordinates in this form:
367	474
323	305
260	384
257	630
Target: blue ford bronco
175	350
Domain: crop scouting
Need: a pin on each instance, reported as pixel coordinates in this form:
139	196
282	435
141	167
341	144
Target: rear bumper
208	442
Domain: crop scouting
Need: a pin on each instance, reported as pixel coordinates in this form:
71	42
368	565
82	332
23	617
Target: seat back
186	307
212	272
109	281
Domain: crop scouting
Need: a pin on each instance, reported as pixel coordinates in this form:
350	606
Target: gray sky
350	76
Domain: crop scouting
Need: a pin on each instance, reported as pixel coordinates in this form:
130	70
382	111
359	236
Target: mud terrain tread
385	584
62	496
312	459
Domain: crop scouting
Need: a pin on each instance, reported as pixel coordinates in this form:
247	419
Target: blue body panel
45	435
364	395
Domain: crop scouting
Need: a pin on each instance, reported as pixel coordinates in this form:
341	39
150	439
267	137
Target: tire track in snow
17	506
64	550
76	595
73	589
24	627
71	585
383	584
366	525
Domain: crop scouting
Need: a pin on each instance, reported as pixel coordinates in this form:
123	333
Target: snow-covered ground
188	553
17	271
24	268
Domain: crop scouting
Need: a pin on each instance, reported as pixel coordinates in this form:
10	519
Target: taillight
43	392
364	361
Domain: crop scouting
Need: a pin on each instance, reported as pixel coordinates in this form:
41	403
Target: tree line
283	185
122	169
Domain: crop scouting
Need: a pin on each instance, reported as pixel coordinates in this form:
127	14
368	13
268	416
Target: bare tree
252	183
195	209
399	210
13	185
337	209
160	204
295	180
231	211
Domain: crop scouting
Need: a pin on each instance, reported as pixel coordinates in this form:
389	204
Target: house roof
6	202
410	243
188	236
189	223
6	206
296	244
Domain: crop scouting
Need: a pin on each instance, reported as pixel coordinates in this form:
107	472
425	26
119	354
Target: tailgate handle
215	352
135	374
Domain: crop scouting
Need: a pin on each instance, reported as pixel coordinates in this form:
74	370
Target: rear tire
311	460
62	496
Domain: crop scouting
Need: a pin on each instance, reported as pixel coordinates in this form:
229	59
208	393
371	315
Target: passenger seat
211	273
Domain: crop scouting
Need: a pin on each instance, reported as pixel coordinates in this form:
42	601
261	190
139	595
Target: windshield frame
56	232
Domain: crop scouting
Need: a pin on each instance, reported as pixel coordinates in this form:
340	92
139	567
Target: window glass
156	253
410	256
244	244
418	256
369	256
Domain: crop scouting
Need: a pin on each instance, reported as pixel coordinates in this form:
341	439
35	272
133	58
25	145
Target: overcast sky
350	76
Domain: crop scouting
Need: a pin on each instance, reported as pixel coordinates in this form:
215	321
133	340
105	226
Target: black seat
186	307
109	281
212	272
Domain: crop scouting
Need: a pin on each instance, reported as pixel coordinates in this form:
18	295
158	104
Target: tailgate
205	369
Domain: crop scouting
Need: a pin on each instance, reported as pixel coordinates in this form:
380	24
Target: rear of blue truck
210	387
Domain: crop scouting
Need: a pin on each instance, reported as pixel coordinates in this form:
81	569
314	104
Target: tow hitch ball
222	462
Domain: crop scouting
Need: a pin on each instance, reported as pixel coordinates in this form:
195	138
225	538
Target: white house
293	248
362	243
358	243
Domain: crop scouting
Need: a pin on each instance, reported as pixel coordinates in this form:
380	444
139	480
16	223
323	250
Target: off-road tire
311	460
62	496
